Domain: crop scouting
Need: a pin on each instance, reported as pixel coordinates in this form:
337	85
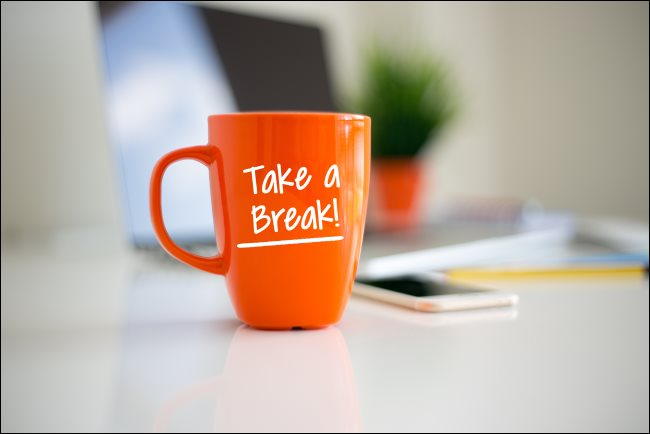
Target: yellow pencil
600	270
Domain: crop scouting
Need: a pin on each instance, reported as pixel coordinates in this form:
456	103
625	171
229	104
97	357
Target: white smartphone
427	292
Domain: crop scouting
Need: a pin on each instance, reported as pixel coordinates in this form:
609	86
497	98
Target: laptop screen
170	65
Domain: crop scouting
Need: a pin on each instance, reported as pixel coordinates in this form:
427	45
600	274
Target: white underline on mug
285	242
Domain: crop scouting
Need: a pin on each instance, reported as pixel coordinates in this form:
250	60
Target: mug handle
203	154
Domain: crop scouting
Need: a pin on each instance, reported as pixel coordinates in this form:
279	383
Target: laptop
167	66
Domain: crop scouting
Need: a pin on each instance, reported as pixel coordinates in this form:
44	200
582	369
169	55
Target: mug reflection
293	382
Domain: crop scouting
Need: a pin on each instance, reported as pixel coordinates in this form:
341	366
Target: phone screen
419	287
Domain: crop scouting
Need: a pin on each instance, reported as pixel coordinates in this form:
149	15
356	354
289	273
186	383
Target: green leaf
409	98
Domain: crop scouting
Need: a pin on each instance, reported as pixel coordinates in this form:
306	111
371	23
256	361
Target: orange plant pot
396	193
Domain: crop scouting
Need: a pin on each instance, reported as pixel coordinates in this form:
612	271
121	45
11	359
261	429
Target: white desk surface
118	341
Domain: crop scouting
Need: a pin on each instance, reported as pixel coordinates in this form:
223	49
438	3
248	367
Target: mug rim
280	113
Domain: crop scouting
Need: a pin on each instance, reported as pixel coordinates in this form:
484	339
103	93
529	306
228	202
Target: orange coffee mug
289	194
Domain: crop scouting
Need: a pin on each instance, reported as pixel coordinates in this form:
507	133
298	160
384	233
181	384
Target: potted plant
410	101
